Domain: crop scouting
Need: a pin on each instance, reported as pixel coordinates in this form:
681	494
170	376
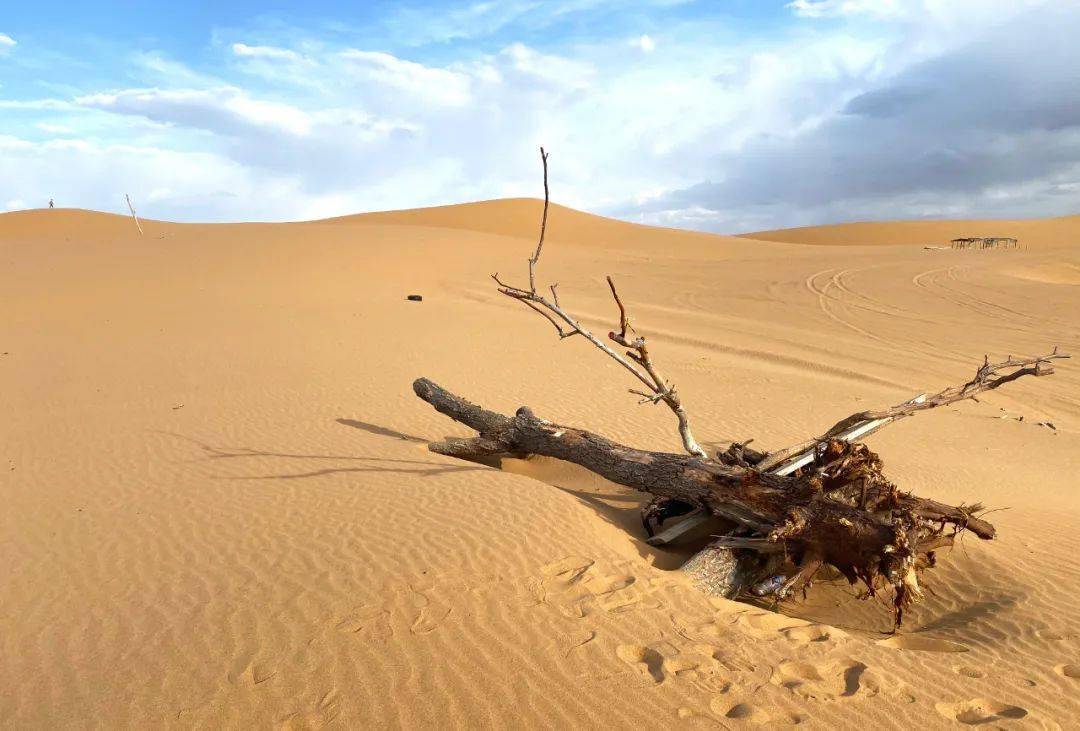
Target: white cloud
432	83
553	70
204	186
6	42
242	49
36	104
55	129
227	110
472	19
910	146
645	43
832	8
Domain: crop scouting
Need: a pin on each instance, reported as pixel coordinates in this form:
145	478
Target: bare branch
543	227
636	359
662	390
988	377
549	318
624	324
133	215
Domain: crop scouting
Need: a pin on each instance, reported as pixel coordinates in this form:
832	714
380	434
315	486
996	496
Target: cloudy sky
725	116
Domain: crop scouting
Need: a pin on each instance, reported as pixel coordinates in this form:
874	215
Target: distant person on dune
51	203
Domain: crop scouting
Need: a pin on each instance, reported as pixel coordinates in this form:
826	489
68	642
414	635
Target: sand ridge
220	511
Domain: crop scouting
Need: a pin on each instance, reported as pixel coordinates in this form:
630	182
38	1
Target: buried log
788	514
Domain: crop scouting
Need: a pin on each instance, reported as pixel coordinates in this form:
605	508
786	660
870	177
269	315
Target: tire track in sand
823	299
838	279
929	282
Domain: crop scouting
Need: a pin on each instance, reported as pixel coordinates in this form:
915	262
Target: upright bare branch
636	359
131	208
543	227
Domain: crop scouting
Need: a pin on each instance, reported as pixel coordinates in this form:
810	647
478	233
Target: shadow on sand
615	504
379	464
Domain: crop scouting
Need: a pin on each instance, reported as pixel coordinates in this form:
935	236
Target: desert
220	509
540	364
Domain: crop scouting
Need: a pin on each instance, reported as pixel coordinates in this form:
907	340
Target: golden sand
219	511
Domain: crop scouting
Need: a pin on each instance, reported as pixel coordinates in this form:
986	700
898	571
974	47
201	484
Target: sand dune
219	510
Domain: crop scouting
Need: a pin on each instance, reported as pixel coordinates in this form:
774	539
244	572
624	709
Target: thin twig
543	226
623	322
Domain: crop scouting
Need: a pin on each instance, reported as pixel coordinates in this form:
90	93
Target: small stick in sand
132	209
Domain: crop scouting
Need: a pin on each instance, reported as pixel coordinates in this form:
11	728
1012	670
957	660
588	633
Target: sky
726	116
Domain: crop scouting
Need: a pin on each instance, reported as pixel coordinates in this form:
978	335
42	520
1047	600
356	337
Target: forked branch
988	377
635	359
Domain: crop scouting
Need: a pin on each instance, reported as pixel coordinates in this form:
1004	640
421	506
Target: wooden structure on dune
985	242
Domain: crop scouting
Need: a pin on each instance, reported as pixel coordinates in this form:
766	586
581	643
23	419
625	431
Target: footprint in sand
612	595
762	625
371	621
431	616
318	713
824	680
566	571
751	715
647	661
1053	635
559	586
979	711
575	587
1068	671
921	644
969	672
812	633
601	585
700	665
249	671
579	639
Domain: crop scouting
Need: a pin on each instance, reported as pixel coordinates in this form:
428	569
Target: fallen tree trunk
842	513
744	495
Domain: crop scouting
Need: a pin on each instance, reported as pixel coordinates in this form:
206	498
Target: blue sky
726	116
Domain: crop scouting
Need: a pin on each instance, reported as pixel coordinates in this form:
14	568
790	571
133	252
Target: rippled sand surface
219	510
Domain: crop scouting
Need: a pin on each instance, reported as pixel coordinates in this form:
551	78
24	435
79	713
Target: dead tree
788	513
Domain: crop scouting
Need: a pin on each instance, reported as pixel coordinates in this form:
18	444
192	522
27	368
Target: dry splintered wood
788	513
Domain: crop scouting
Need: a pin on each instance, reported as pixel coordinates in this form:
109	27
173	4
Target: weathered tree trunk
847	516
748	497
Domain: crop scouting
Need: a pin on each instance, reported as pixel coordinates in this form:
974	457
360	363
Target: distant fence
985	242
